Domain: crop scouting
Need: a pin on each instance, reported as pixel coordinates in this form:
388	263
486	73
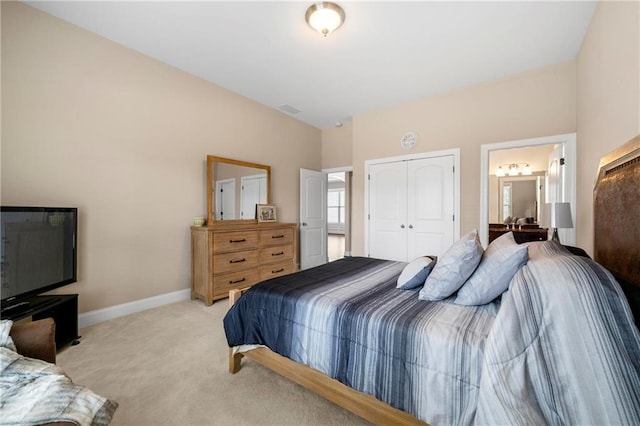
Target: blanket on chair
35	392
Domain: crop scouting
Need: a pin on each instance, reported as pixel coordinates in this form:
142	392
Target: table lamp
560	218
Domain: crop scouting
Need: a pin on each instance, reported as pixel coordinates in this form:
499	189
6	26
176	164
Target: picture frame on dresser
266	213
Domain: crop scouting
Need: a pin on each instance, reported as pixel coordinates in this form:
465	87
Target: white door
555	176
254	191
388	211
313	218
411	208
430	201
226	199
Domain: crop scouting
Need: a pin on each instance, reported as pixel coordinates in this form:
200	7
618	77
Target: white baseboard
93	317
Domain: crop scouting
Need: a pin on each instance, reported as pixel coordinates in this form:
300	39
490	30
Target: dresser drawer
276	253
232	241
275	270
225	282
236	261
269	237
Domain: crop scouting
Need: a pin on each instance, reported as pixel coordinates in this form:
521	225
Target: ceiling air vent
289	109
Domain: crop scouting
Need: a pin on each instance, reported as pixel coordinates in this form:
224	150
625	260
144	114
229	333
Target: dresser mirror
234	188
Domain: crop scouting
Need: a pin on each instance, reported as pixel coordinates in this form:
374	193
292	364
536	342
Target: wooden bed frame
361	404
623	167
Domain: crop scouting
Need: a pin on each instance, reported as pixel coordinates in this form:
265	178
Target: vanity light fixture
324	17
514	169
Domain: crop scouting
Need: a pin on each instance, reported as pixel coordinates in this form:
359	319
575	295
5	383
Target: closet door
388	211
430	206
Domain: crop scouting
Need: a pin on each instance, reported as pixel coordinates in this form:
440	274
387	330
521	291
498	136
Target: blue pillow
415	273
500	262
453	268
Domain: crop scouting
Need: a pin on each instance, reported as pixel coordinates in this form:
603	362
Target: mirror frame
211	160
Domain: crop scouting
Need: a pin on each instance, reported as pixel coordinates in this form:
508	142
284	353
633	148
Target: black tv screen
38	250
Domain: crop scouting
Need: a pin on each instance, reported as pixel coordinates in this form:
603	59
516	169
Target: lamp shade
561	215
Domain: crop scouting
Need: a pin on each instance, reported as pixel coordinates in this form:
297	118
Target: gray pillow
415	273
453	268
500	262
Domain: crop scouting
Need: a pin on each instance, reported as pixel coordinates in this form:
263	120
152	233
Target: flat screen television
38	251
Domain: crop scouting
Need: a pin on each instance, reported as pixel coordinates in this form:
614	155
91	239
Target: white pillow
453	268
500	262
415	273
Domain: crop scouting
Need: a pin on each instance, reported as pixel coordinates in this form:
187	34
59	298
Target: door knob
410	226
402	226
304	223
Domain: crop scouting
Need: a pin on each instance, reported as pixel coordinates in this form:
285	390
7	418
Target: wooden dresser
524	234
239	254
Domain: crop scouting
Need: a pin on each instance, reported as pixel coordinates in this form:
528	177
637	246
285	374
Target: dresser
524	234
239	254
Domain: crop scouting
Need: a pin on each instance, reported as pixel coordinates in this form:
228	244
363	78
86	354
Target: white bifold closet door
411	208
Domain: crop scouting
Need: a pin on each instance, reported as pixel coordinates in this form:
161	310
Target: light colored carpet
169	366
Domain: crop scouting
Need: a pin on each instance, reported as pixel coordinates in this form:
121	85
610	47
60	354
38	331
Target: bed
345	331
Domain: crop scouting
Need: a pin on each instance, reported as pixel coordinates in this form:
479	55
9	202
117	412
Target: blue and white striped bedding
451	364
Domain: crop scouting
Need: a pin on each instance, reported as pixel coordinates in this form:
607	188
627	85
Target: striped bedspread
563	349
560	348
347	320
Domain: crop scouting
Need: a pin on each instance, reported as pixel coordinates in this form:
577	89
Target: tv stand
63	308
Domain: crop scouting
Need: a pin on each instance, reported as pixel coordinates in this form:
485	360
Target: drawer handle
277	254
237	260
279	270
237	281
238	241
277	236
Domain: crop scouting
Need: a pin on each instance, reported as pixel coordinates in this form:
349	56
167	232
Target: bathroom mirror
234	188
519	197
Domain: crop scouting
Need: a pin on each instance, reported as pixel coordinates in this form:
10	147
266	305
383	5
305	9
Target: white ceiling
386	53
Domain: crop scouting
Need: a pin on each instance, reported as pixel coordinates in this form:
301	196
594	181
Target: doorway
336	215
325	215
557	186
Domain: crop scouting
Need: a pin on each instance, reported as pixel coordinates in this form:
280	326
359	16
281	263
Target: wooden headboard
617	218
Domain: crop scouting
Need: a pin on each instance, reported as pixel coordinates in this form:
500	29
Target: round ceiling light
324	17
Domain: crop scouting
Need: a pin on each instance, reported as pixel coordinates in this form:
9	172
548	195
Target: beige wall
337	146
532	104
92	124
608	90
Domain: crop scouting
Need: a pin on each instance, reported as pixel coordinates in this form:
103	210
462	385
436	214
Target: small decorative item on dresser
198	221
266	213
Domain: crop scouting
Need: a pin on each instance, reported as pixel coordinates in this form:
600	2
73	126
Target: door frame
348	231
569	141
455	152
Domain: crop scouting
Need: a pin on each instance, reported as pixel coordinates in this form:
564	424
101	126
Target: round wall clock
409	140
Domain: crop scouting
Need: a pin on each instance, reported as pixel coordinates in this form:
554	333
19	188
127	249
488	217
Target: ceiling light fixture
324	17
